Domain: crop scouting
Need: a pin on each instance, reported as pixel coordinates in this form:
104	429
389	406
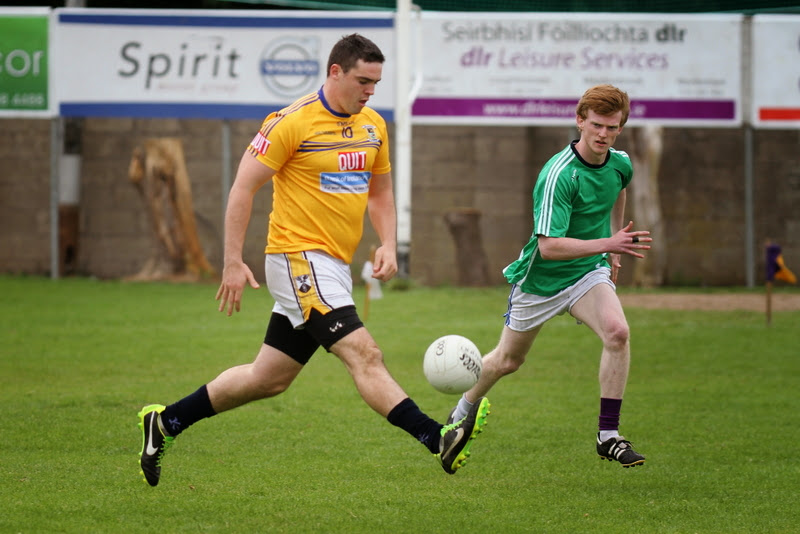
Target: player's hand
385	265
234	277
630	241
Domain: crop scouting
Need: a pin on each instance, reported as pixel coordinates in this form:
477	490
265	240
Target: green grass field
713	401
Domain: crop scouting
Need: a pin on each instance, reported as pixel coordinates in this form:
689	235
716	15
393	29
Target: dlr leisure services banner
531	68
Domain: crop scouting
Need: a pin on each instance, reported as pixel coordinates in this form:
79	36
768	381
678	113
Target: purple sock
609	413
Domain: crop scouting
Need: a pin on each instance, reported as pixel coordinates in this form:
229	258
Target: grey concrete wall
491	169
24	196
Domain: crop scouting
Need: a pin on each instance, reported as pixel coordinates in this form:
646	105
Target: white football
452	364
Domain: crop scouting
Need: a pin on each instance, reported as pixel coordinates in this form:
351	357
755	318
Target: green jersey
571	198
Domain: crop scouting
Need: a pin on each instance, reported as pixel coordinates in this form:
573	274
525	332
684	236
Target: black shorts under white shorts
313	303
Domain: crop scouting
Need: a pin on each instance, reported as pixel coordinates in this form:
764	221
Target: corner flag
775	268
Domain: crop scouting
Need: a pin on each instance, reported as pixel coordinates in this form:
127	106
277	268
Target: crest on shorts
302	283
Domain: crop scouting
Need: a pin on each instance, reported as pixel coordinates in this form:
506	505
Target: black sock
181	415
410	418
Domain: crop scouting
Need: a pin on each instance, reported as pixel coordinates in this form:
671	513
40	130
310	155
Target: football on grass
452	364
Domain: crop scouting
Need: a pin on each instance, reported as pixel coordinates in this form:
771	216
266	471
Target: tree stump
158	171
471	260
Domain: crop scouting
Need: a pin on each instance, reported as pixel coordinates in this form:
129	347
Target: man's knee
617	335
359	352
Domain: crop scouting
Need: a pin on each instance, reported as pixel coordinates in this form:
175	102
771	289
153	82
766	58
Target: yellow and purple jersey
324	162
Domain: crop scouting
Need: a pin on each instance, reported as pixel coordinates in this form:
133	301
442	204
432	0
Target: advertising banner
776	71
204	64
531	68
24	60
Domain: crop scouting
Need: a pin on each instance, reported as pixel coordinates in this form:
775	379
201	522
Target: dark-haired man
327	155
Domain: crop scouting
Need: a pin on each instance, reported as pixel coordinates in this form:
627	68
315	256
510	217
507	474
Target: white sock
606	435
462	408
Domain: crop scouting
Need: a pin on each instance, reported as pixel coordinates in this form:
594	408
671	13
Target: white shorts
303	281
527	311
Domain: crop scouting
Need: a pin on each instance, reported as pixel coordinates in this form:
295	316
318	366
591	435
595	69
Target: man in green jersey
572	259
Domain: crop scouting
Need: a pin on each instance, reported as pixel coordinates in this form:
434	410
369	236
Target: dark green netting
749	7
621	6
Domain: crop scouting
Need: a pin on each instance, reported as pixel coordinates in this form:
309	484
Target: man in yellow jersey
327	155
